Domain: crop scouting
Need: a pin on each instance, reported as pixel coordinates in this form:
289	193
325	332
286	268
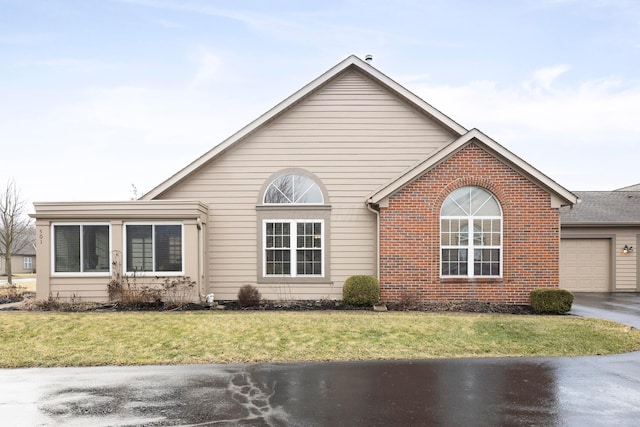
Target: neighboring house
21	263
600	240
352	174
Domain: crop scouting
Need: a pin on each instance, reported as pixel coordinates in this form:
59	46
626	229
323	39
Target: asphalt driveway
563	391
618	306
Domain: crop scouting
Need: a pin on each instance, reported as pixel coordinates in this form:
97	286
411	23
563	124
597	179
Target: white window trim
78	273
292	203
24	263
294	246
471	247
153	273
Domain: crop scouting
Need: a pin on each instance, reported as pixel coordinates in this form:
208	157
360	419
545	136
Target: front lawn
140	338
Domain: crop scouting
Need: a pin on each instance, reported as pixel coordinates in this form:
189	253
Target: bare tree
15	226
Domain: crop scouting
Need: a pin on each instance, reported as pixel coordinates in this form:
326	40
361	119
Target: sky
106	99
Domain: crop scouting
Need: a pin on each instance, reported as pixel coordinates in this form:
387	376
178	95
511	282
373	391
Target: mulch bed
297	305
463	307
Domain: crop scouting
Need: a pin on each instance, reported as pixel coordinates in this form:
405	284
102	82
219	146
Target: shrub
361	290
249	296
551	300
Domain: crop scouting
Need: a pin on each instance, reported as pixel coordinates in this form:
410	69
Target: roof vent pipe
368	58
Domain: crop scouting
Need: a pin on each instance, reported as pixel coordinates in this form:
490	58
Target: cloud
208	66
581	133
544	77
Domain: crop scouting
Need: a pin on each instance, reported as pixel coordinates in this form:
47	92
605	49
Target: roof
475	136
603	208
635	187
352	62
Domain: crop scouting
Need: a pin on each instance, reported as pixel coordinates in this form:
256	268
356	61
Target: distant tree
15	227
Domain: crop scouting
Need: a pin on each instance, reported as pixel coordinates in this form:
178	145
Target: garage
585	265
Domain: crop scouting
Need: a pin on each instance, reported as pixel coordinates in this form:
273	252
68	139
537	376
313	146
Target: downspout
201	285
377	212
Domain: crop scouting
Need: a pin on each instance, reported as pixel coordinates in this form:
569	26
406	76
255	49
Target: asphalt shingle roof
603	207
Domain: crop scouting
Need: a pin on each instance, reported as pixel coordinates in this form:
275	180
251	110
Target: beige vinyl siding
354	135
192	215
624	266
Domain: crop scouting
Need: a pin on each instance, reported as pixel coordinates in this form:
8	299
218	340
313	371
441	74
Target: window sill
462	279
80	274
299	280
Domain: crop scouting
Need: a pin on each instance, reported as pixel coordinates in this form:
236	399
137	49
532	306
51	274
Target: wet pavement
582	391
562	391
621	307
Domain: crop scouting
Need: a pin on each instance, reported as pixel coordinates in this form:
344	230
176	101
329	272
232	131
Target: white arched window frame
293	189
294	221
471	234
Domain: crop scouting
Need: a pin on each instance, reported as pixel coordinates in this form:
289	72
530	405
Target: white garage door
585	265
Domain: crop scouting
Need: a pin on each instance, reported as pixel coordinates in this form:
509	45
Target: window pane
454	262
293	189
277	254
95	248
278	262
280	191
67	248
451	208
168	245
139	248
487	262
309	262
306	190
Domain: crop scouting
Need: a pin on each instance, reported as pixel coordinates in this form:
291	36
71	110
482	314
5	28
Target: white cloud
582	135
208	66
544	77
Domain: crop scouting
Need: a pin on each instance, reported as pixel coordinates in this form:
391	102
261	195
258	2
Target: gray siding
354	135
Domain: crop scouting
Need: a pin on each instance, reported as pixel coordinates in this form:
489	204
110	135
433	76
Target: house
600	237
352	174
21	263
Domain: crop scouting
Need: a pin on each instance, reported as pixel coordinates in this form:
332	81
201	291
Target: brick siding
410	234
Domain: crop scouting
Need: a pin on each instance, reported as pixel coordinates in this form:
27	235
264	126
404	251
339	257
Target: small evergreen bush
361	290
249	296
551	300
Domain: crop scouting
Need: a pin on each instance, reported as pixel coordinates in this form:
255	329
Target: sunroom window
154	248
471	234
81	248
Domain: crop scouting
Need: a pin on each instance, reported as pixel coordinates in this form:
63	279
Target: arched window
294	218
471	234
292	189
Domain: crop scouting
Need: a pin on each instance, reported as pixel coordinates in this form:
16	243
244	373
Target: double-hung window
27	263
81	248
293	248
471	234
154	248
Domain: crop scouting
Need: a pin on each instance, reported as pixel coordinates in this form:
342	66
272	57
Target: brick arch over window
469	181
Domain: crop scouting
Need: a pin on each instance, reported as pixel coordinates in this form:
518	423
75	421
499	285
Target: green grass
139	338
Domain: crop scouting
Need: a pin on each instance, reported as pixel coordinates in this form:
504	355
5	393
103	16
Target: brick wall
410	239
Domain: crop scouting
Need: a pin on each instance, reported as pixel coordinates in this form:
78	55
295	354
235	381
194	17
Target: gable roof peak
476	136
347	63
